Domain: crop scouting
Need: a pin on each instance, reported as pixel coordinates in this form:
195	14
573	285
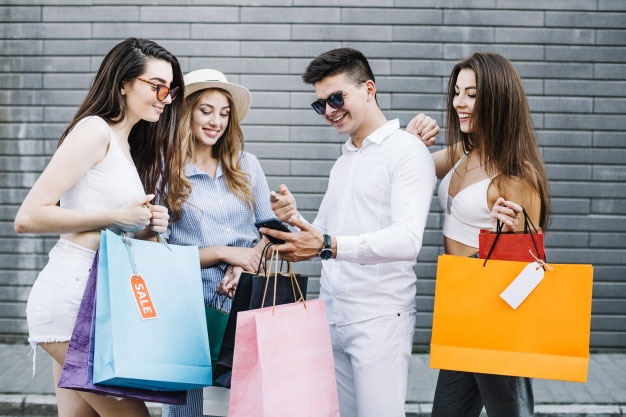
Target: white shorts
54	300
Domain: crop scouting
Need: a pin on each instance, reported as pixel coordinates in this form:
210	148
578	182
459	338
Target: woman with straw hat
229	192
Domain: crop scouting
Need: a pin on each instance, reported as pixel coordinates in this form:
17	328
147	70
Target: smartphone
273	224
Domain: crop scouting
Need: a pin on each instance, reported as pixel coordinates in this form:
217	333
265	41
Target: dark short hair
337	61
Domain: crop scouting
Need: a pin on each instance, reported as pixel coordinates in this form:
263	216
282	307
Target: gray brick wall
571	55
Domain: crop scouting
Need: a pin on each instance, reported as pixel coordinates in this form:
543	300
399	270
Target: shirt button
221	201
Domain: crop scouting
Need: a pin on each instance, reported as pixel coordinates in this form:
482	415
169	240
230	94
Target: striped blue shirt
214	216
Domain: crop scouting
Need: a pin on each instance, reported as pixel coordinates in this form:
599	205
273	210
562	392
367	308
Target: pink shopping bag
283	363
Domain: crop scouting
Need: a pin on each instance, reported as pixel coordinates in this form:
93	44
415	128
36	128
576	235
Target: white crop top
107	185
465	213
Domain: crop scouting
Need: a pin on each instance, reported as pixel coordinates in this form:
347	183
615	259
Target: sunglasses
334	100
162	90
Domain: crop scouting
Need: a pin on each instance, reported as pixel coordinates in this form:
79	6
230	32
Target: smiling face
141	100
349	118
465	98
209	118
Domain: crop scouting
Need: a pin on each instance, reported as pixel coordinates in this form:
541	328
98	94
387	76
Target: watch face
326	254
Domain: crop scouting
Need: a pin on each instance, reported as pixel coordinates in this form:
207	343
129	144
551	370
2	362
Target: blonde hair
227	150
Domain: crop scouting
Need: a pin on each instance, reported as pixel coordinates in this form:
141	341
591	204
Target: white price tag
523	285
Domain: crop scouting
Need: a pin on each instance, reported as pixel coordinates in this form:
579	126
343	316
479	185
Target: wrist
333	246
222	254
326	251
113	218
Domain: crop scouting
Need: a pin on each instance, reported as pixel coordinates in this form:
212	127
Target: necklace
471	169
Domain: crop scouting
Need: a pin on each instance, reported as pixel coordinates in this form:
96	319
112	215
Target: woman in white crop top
490	167
105	174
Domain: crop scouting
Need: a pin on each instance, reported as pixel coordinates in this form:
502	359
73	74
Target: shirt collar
378	136
192	170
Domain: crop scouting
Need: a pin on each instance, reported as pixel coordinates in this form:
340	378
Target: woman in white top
123	137
491	166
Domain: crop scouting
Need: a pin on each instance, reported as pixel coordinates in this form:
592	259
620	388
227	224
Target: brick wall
570	54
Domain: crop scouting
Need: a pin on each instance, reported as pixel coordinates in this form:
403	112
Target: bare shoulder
93	133
518	191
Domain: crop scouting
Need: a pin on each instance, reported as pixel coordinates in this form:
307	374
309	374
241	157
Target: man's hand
284	205
424	127
298	246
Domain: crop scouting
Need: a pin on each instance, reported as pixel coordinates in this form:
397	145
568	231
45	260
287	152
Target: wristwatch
327	250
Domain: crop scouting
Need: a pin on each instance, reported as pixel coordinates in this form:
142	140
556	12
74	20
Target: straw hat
210	78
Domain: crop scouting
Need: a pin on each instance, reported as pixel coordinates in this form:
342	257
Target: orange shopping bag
474	330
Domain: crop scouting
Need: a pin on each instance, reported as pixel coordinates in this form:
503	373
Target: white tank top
465	213
107	185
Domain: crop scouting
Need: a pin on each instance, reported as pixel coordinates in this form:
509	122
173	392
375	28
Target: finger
415	122
506	220
276	233
286	250
430	131
159	209
284	210
421	128
513	206
301	224
286	217
273	197
160	217
283	189
504	210
145	199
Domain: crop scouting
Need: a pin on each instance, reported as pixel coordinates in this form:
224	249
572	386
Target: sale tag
142	297
523	285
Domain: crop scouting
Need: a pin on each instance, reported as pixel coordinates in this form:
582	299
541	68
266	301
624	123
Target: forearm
398	242
211	256
58	220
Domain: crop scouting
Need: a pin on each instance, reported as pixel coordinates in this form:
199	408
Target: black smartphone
273	224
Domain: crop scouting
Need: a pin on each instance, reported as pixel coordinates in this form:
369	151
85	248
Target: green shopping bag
216	319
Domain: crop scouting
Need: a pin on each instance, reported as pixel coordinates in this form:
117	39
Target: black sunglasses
334	100
162	90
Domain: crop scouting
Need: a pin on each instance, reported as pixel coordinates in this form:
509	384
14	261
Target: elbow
22	223
413	246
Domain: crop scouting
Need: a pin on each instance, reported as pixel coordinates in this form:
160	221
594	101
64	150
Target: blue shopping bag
150	329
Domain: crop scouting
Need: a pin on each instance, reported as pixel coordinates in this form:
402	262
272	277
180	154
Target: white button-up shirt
376	205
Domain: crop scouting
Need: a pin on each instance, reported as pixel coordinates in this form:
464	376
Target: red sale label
142	297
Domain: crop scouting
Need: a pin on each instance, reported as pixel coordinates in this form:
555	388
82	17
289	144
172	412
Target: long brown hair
502	128
154	147
227	150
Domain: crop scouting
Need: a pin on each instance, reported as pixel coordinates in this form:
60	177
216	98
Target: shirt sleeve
321	220
412	185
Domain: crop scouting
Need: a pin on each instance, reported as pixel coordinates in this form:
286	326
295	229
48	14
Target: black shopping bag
255	291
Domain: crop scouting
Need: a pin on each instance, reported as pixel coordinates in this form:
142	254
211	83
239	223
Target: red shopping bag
512	246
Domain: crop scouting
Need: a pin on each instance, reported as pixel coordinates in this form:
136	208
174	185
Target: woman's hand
246	258
160	218
424	127
507	212
228	284
134	215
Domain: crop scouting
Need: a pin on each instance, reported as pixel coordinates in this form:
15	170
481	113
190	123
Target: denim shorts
54	300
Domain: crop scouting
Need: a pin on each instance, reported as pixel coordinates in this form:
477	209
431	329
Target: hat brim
241	95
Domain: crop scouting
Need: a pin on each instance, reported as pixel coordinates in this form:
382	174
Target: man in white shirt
368	233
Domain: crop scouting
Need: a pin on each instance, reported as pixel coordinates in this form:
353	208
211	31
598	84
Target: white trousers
372	360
